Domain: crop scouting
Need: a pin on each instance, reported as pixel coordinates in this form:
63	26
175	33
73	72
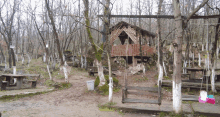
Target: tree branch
197	9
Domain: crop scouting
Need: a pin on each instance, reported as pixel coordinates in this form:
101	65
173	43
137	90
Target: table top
20	75
13	75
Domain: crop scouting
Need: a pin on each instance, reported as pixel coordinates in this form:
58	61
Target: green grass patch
16	97
141	79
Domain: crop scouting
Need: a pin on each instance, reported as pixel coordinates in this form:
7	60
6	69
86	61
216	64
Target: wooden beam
128	100
161	16
142	88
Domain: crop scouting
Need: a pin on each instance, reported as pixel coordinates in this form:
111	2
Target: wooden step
142	93
128	100
155	89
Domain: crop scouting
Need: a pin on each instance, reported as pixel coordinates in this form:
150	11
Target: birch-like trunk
164	67
160	53
48	70
81	61
177	63
14	72
44	58
100	73
65	72
22	61
29	59
213	79
16	56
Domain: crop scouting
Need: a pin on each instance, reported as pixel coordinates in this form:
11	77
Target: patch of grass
167	78
116	90
141	79
106	109
65	85
16	97
49	83
169	89
162	114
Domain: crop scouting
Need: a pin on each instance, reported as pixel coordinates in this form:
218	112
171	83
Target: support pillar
134	60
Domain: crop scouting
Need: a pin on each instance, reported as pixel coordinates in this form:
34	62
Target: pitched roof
123	23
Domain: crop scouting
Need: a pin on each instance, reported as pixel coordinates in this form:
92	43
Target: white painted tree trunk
110	89
44	58
14	72
64	58
81	62
160	77
164	67
144	70
22	61
16	56
100	73
208	60
177	98
29	59
48	70
6	64
202	47
213	80
65	72
199	60
85	64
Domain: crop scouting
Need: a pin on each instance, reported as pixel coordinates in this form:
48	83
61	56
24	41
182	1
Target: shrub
104	88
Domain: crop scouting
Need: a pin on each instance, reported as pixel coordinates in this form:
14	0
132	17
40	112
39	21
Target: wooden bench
4	84
127	91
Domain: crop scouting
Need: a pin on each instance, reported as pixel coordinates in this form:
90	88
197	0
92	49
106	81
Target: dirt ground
76	101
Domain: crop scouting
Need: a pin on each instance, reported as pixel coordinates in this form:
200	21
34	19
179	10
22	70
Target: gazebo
124	39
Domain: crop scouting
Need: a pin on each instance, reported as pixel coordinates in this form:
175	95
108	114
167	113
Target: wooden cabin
124	39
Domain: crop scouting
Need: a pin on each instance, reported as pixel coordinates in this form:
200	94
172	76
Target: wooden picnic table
19	77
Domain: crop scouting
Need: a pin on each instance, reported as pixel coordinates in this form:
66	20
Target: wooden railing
132	50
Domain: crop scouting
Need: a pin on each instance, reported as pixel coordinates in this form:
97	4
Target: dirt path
74	101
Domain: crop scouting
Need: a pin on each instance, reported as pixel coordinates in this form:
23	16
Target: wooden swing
136	90
128	90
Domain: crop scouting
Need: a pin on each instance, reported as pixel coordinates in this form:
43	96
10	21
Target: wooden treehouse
125	41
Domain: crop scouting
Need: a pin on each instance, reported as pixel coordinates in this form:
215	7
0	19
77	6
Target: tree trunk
177	63
160	53
54	31
214	56
100	72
